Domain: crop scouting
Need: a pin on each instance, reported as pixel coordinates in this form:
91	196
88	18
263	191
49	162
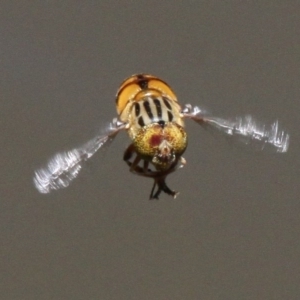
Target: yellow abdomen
139	86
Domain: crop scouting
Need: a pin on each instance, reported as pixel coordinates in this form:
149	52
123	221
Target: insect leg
162	187
128	154
152	196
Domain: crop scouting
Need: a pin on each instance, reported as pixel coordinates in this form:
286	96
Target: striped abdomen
144	99
153	110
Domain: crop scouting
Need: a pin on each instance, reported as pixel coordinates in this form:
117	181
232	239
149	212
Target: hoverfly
149	111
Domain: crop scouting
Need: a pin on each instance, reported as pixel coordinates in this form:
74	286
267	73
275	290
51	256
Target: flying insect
149	111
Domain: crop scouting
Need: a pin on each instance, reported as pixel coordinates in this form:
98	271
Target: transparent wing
244	129
65	166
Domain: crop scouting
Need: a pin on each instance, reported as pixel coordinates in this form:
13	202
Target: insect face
161	143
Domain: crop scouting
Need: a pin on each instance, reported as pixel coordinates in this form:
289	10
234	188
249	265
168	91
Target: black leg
161	187
152	195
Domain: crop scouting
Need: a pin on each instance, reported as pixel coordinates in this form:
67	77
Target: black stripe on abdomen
158	108
137	109
167	104
170	116
148	109
141	121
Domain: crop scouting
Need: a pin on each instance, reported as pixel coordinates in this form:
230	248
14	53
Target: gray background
233	232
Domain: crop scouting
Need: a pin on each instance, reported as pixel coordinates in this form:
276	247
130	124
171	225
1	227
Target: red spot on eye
155	140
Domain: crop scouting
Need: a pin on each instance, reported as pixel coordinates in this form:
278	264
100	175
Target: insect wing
65	166
244	129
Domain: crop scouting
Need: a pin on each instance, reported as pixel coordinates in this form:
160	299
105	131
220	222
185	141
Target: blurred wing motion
65	166
244	129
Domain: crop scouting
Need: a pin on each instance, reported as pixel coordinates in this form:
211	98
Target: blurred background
233	232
